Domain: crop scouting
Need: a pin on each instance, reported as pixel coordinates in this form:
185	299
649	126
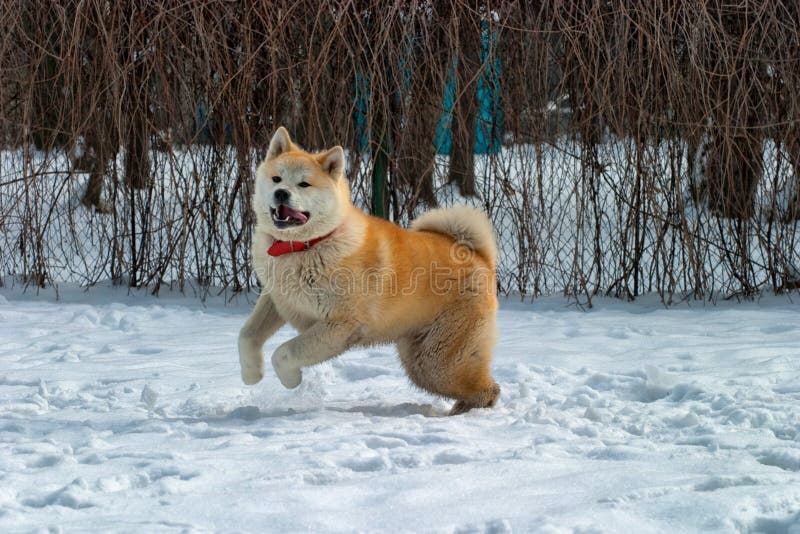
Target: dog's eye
304	184
276	179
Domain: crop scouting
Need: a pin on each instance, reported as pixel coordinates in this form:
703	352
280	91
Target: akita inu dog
345	279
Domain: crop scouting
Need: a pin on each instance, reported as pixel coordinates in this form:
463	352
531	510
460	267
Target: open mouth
283	216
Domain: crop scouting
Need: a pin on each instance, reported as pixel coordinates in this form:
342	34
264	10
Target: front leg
323	341
262	323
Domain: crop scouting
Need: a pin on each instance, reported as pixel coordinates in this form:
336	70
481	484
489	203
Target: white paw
290	377
252	375
288	373
251	361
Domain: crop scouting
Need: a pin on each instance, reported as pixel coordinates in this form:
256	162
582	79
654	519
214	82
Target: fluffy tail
466	225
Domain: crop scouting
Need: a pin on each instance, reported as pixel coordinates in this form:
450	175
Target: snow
125	413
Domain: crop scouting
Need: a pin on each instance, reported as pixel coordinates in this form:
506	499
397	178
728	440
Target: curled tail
466	225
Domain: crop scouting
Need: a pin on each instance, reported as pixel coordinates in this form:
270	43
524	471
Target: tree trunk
732	173
47	91
465	104
414	128
415	146
734	164
95	160
137	105
792	144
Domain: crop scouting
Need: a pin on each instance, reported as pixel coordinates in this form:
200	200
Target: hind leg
474	385
485	398
451	358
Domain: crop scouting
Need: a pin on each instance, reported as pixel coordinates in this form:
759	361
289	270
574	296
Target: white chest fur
298	282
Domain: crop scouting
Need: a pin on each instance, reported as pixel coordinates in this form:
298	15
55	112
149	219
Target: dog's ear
280	143
332	161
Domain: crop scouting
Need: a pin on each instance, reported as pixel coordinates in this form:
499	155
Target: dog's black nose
281	196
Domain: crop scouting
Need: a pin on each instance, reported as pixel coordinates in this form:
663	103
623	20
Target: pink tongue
285	211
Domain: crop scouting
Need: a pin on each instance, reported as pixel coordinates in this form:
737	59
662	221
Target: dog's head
300	196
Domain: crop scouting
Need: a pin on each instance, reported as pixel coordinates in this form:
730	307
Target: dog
345	279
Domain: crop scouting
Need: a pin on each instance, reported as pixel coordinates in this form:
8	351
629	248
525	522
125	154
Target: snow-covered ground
123	413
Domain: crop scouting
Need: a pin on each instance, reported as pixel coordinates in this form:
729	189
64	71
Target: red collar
279	248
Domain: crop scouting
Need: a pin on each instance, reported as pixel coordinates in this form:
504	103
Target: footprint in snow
75	495
355	372
788	460
147	351
365	464
382	442
722	482
47	460
778	329
451	456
